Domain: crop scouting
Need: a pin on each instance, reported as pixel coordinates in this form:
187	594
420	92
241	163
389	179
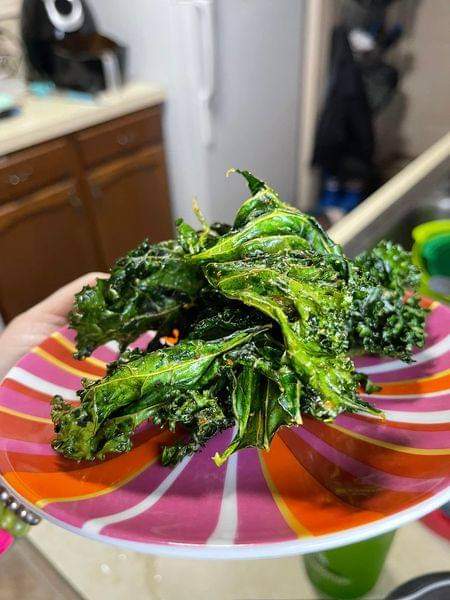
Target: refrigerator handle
207	67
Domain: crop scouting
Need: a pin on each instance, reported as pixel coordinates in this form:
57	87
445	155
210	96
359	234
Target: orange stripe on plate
27	391
92	479
107	490
55	463
383	459
293	523
24	416
64	366
435	383
67	344
391	446
16	428
346	487
308	502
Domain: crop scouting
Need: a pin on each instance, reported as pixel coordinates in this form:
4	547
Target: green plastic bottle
350	571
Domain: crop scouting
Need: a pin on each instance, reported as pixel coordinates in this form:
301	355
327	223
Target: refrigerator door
232	73
237	73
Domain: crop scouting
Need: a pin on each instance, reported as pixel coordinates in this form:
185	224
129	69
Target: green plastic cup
431	253
351	571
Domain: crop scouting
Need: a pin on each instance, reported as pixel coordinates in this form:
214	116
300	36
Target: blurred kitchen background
114	114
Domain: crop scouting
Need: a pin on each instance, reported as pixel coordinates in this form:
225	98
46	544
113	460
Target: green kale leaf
148	289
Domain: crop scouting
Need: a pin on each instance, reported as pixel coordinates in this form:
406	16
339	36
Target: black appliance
63	45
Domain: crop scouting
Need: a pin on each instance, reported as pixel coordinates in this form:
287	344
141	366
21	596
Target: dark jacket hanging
344	143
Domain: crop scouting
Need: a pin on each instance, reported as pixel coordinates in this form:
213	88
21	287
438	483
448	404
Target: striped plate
320	486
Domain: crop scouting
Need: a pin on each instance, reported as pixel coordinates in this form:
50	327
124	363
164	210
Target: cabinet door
45	242
131	202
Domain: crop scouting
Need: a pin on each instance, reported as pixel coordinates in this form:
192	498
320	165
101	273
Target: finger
60	303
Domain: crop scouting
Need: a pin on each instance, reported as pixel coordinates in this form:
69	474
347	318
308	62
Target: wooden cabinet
131	201
75	204
104	142
45	241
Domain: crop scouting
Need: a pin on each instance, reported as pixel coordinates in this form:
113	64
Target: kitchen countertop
99	571
43	119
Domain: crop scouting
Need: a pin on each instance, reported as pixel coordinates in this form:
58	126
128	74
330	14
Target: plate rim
297	547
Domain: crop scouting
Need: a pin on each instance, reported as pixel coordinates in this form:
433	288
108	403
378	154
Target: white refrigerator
232	72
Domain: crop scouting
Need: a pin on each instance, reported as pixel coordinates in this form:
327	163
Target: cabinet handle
96	192
75	202
17	178
124	139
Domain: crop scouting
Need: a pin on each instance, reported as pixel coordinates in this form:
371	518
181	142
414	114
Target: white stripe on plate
225	531
421	357
113	346
431	417
41	385
94	526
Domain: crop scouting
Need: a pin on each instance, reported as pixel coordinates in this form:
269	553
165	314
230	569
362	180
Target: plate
320	486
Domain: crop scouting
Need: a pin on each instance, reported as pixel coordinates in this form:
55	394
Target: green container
431	252
351	571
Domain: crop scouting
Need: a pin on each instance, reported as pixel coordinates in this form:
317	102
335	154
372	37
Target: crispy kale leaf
311	302
384	321
257	412
269	311
265	223
137	390
148	289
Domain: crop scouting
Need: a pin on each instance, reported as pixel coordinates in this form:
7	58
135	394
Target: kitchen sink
432	209
398	221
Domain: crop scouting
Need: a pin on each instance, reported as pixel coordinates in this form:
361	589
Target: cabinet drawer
103	142
45	242
30	170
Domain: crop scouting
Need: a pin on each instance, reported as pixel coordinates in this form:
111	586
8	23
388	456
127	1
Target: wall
9	20
143	25
9	8
426	85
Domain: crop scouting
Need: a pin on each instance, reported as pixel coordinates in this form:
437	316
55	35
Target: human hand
33	326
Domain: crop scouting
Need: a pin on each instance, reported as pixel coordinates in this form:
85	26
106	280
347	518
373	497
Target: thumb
60	303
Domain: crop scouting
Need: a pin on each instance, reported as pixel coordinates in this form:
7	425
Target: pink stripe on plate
418	371
402	437
78	512
21	447
36	365
103	353
438	326
24	404
367	474
189	511
424	404
70	334
368	361
143	341
257	510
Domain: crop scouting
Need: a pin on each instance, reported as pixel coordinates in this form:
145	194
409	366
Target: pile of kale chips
270	311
